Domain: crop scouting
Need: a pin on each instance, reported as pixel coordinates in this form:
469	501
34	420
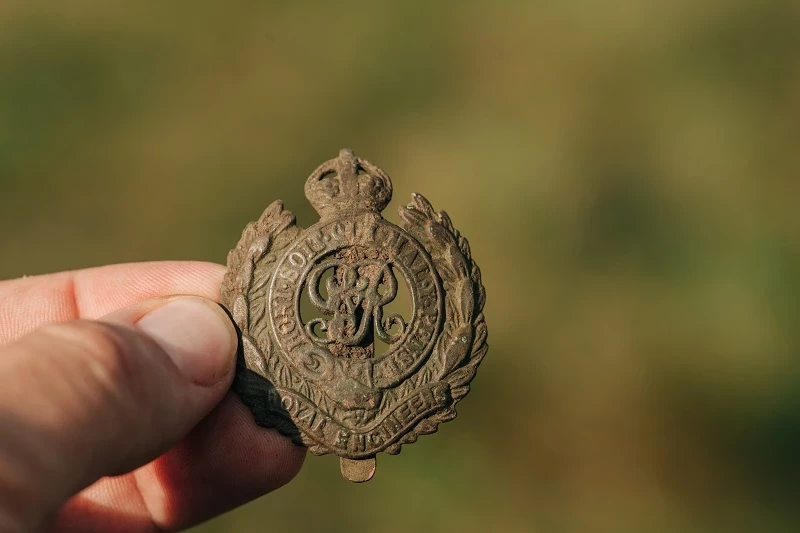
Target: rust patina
319	380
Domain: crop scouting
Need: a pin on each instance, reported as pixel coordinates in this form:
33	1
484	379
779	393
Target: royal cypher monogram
318	380
355	303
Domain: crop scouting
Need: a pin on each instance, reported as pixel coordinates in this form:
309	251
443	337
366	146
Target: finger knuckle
109	355
106	356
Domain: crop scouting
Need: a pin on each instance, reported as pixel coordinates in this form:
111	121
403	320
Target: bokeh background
627	173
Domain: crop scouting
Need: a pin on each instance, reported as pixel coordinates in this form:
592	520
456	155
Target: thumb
82	400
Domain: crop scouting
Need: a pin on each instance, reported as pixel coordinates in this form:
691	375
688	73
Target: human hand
122	420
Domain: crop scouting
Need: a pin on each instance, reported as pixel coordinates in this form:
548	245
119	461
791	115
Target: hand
116	416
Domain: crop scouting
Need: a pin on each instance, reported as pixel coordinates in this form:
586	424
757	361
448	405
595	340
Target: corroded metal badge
324	360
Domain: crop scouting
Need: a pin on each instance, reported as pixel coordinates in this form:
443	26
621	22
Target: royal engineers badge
320	380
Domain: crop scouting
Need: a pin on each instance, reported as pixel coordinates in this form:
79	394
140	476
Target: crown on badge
348	183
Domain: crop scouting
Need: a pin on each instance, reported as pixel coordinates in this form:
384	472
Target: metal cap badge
318	379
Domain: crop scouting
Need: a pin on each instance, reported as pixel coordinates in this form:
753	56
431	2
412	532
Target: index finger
30	302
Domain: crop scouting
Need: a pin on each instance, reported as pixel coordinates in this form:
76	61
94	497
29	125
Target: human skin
115	410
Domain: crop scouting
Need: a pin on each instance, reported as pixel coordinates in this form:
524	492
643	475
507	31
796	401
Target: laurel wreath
463	344
460	349
247	277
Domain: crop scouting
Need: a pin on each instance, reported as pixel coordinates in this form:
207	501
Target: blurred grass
627	174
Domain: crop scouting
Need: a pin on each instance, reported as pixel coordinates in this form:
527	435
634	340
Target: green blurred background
628	174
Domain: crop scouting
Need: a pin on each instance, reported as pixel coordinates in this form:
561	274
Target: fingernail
198	336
